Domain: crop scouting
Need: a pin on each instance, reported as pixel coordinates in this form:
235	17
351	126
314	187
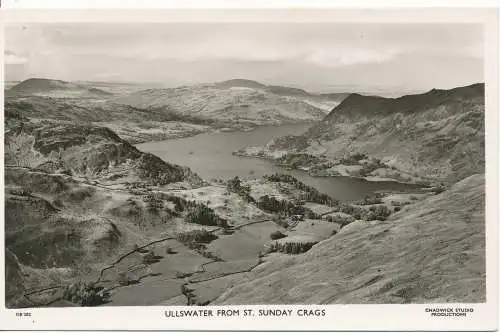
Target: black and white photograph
211	164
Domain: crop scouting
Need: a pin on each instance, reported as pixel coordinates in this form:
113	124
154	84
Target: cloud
11	58
347	56
322	53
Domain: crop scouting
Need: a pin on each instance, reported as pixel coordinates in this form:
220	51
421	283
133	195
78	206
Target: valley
102	211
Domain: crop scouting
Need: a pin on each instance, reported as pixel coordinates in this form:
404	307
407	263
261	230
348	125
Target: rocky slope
430	252
436	136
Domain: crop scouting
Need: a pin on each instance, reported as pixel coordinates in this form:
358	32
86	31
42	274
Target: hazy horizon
322	57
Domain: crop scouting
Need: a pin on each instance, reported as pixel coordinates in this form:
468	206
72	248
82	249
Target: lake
210	155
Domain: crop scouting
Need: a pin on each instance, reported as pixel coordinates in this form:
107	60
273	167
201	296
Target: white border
155	4
339	317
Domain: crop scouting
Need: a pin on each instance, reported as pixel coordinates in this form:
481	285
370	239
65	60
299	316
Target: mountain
433	252
288	91
279	90
230	104
359	105
242	83
50	87
435	136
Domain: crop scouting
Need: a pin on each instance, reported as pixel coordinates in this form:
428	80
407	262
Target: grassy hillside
229	102
436	136
430	252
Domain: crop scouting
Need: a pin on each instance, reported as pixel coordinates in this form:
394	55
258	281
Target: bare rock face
384	262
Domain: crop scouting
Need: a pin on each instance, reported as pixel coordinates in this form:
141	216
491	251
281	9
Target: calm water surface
210	155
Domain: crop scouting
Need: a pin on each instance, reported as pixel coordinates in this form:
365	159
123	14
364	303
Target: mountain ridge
44	85
437	136
407	103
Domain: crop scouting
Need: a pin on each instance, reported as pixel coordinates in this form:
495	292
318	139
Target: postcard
250	169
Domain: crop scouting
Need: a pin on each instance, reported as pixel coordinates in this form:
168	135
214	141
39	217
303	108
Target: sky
314	56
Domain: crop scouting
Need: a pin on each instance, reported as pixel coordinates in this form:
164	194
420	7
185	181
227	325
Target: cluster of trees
150	258
86	294
281	221
191	297
290	247
311	194
295	160
197	213
196	240
234	185
353	159
370	200
277	235
197	236
379	212
341	220
371	166
158	172
297	141
287	208
201	214
354	211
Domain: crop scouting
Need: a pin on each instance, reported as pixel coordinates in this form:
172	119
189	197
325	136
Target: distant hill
279	90
243	83
236	103
288	91
55	88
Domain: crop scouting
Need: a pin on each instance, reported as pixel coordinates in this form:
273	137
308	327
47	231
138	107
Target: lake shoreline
211	155
215	129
